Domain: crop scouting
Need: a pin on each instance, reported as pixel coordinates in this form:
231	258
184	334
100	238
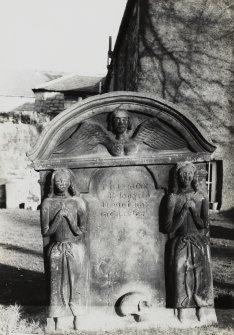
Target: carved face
186	175
120	121
61	182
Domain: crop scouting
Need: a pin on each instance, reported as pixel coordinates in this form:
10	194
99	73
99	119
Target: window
214	183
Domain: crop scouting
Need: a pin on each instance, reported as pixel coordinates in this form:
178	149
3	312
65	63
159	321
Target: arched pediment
87	133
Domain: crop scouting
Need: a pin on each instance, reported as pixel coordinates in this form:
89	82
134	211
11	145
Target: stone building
55	96
24	112
182	51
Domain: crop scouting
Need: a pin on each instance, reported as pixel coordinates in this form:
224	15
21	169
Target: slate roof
72	83
21	83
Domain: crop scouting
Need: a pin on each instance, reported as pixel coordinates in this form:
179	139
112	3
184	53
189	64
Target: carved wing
85	138
159	136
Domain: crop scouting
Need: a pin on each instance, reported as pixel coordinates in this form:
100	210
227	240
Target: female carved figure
63	220
187	223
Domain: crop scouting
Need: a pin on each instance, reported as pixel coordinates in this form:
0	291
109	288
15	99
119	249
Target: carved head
62	180
119	122
187	175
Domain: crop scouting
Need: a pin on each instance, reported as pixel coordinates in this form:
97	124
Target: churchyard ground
22	286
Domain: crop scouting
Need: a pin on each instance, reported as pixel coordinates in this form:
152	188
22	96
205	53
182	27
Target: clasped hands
64	212
190	204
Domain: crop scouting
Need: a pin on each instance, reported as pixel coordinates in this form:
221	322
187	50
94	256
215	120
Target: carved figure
151	132
187	223
63	220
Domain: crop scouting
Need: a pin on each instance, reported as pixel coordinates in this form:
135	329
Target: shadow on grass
221	232
229	214
20	286
20	249
224	301
226	286
222	252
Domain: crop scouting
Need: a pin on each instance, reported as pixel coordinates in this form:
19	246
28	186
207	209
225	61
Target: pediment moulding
120	128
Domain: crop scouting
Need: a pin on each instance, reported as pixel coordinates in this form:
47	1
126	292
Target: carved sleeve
82	216
204	212
201	218
173	221
73	222
44	217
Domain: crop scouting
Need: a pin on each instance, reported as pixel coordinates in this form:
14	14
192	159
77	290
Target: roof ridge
52	81
60	79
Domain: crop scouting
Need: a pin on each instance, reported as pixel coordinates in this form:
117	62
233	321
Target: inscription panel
124	200
125	244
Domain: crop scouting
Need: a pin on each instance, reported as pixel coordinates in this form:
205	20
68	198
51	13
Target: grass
11	321
22	283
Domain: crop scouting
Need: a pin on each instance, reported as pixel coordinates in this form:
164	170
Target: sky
58	35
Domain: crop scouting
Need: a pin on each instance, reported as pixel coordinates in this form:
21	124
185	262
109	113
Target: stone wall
50	103
16	172
185	52
22	119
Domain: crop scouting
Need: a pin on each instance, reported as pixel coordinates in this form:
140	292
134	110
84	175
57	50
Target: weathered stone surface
101	319
189	278
128	135
63	216
124	199
142	108
126	248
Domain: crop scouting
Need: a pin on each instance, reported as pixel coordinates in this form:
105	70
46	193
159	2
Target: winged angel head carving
120	139
119	123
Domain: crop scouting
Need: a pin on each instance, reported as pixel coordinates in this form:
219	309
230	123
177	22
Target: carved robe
66	255
190	268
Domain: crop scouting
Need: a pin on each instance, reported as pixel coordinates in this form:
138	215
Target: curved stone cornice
145	103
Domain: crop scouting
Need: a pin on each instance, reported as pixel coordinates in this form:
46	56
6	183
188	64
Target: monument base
106	319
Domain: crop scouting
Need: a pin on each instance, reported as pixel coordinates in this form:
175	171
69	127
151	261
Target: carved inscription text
124	200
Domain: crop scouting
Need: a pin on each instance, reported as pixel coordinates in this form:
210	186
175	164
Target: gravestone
121	149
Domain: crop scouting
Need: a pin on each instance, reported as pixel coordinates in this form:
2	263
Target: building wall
19	128
185	57
52	103
126	58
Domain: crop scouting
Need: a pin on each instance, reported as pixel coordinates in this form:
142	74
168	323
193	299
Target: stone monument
186	220
109	244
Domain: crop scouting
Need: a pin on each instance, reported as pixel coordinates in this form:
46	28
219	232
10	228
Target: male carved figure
63	220
187	220
120	124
